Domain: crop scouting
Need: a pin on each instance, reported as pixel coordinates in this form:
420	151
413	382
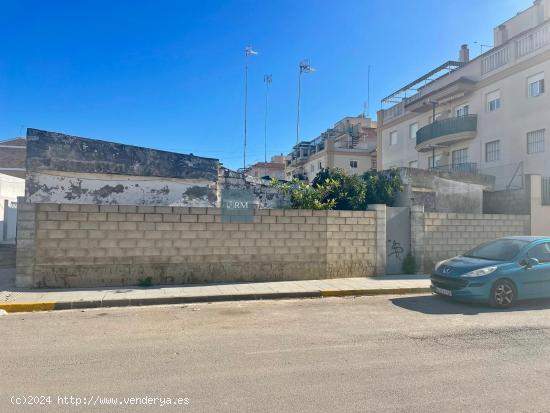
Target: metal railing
545	191
467	168
446	127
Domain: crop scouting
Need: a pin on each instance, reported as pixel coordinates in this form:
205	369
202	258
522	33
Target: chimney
541	12
501	35
464	54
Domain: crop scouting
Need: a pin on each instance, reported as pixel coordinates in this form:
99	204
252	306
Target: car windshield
499	250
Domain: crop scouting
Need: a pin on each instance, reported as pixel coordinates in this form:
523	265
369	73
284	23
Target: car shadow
437	305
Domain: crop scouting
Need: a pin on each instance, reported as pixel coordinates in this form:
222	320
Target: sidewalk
15	300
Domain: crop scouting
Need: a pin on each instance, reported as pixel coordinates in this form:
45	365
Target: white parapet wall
10	188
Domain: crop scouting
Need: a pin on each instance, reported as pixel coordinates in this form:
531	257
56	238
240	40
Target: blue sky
169	74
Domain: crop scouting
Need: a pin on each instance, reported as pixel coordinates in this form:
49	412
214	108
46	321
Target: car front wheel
503	294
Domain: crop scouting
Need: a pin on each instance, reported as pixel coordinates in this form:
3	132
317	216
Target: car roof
528	238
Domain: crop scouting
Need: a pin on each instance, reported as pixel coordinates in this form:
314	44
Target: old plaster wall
66	169
436	192
104	189
69	169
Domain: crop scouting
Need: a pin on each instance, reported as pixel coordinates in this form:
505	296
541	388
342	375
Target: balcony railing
467	168
496	59
532	41
446	127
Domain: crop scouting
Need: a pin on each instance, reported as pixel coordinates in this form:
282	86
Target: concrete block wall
25	248
78	245
439	236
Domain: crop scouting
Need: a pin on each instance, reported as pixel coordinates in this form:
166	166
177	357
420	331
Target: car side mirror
530	263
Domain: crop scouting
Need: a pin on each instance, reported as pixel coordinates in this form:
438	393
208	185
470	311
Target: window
463	110
353	164
535	141
460	157
312	168
413	164
492	151
493	101
320	165
413	128
393	138
373	164
540	252
431	161
535	85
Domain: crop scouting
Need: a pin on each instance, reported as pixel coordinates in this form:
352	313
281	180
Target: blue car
498	272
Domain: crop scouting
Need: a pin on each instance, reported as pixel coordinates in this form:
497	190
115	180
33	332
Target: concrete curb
82	304
28	307
374	291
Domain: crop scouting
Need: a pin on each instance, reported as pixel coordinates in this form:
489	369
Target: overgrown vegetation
383	187
409	265
145	282
305	196
334	189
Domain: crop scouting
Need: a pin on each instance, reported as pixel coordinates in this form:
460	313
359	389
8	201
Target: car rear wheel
503	294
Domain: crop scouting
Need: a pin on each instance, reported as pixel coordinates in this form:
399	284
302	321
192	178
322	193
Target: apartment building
487	115
350	145
274	169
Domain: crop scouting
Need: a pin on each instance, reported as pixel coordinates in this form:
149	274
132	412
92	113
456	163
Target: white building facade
350	145
492	113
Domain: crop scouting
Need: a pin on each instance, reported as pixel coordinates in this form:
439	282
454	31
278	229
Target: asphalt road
406	354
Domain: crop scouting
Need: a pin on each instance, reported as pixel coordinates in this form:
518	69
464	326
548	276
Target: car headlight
439	264
481	272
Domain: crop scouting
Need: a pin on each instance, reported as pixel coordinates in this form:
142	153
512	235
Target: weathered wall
540	214
437	193
515	201
100	189
73	245
440	236
48	151
70	169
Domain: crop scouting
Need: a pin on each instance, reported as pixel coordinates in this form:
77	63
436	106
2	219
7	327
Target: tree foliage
305	196
383	187
334	189
348	191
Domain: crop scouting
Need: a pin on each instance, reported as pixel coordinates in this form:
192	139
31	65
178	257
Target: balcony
461	169
446	132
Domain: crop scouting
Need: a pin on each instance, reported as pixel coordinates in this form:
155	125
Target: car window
499	250
540	252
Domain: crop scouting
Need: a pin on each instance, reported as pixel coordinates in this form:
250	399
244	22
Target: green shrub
145	282
335	189
306	196
383	187
348	191
409	265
